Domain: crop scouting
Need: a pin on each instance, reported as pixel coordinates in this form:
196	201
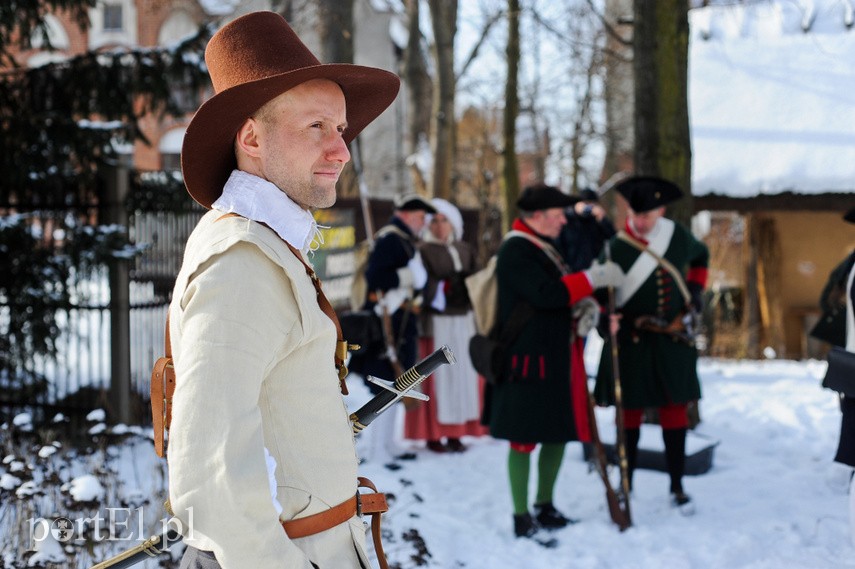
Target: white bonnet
450	211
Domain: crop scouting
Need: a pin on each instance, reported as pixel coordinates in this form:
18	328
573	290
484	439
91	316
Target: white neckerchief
259	200
658	240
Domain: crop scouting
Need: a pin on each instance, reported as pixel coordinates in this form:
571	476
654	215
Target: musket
601	465
401	387
393	391
621	433
386	318
611	183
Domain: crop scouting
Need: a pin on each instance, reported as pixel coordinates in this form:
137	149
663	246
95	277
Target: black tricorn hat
541	196
644	193
850	216
413	202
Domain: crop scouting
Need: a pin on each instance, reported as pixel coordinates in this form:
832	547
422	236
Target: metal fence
77	373
81	370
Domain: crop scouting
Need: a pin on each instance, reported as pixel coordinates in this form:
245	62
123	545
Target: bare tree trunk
444	18
510	168
661	52
618	91
335	30
751	311
417	81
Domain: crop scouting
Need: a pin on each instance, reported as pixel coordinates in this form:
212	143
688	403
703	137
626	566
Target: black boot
631	437
550	518
675	458
524	525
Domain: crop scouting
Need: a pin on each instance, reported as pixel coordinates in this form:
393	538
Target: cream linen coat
253	357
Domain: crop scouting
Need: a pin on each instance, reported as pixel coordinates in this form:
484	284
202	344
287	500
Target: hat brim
646	193
207	154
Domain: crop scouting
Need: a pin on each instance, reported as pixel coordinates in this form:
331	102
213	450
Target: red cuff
578	286
697	275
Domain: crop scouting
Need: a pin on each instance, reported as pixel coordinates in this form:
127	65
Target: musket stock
620	438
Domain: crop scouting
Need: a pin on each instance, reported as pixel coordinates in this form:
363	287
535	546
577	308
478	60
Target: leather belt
373	504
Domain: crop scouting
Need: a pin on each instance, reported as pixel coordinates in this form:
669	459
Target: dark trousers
198	559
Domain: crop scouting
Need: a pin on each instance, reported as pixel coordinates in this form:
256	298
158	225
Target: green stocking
518	468
551	455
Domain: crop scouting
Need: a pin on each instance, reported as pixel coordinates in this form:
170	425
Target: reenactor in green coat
665	269
539	400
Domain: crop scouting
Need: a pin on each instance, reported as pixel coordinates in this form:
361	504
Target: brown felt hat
253	60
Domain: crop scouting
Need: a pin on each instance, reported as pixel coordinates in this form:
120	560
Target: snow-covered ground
772	499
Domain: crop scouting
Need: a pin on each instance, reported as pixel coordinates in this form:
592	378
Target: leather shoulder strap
324	304
547	249
666	264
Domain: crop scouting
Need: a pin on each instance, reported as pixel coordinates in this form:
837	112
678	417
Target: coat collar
259	200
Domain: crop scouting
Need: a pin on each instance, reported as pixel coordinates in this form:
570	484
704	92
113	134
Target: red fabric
421	423
697	275
672	416
523	447
578	286
579	390
628	228
632	418
520	225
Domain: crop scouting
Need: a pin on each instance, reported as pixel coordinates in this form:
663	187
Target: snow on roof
218	7
771	98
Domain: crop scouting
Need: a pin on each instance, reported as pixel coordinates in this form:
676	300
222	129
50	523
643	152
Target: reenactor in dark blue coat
395	276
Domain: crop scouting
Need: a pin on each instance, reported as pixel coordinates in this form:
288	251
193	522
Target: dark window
112	17
170	162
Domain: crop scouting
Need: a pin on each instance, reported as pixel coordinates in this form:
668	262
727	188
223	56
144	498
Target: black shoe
683	502
454	445
436	446
550	518
524	525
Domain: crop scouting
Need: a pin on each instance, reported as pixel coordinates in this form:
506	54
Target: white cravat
259	200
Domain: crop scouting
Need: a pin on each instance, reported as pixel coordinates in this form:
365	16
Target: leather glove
587	315
606	274
696	291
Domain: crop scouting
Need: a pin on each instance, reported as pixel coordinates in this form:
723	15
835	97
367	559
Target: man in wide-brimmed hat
259	433
666	272
542	396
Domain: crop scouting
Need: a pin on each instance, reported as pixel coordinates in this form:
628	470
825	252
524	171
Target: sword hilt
402	387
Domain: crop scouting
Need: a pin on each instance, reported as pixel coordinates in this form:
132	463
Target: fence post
117	186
